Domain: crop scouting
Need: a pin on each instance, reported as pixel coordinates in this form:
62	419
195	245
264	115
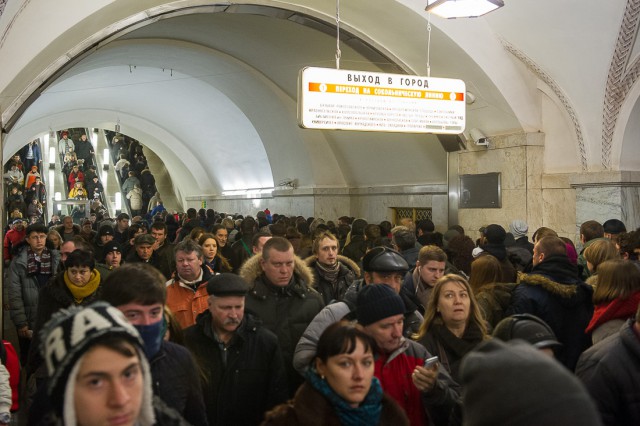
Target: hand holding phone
430	362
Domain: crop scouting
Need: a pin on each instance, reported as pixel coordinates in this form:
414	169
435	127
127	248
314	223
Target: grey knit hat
515	384
376	302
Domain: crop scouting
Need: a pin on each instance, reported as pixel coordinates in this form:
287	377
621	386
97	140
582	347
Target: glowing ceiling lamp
451	9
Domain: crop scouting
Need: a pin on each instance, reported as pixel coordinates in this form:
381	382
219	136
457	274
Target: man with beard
187	290
333	273
240	360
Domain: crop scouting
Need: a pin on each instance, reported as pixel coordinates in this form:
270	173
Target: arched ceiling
212	87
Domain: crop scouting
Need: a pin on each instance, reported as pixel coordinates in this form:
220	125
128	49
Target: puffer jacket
610	373
349	271
285	311
23	289
554	292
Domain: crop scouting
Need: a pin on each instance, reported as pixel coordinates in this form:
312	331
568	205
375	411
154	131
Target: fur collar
345	261
562	290
251	270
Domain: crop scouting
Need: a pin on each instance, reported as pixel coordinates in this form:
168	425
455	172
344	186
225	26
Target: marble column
607	195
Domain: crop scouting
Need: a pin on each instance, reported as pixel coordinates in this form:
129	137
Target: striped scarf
44	260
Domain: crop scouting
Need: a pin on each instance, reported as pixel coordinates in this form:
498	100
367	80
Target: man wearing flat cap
143	253
242	366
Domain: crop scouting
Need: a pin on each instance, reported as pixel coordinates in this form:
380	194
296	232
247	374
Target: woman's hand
425	378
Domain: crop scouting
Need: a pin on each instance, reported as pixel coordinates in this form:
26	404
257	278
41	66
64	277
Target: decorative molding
620	78
3	3
564	100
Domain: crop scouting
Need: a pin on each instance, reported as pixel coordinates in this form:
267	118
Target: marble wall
518	158
561	201
607	195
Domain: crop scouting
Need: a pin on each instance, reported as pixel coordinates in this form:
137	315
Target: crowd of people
210	318
26	193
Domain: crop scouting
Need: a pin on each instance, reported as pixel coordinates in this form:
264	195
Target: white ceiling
222	114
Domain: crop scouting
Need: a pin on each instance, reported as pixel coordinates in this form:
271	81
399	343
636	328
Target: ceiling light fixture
451	9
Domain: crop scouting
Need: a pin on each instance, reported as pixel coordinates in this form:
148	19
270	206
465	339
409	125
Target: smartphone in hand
430	362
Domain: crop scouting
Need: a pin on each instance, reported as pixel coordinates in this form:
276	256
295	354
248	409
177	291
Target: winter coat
78	193
610	373
394	371
120	166
286	311
39	192
307	345
310	408
53	297
65	146
411	256
73	177
5	391
356	248
185	302
176	382
135	198
11	241
253	379
129	184
554	292
24	289
35	150
349	271
84	150
93	187
147	182
494	300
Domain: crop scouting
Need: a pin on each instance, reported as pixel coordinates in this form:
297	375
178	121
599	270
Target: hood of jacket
311	262
251	270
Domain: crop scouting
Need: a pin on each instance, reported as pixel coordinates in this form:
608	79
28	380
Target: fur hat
518	228
526	387
67	337
376	302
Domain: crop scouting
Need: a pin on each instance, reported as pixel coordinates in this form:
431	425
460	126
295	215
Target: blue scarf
369	411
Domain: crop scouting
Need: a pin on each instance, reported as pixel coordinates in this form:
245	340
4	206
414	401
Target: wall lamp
451	9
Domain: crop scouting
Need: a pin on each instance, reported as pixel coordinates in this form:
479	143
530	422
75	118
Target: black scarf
328	273
558	268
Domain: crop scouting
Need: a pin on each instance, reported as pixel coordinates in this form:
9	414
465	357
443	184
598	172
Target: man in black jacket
139	292
243	369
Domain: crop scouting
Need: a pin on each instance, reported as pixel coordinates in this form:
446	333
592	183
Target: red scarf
616	309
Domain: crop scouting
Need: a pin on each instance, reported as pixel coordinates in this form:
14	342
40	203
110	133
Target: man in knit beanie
519	229
91	348
515	384
399	362
493	244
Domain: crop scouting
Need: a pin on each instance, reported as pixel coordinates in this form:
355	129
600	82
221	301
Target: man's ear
582	238
262	262
367	277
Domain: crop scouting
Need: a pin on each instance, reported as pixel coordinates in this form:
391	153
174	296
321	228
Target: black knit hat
526	387
495	234
376	302
105	230
112	246
383	259
227	285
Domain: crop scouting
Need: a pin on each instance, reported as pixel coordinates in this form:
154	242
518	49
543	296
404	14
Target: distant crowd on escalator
26	194
137	182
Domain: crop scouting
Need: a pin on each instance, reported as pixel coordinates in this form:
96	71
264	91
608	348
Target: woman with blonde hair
598	252
615	298
55	238
453	324
493	297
